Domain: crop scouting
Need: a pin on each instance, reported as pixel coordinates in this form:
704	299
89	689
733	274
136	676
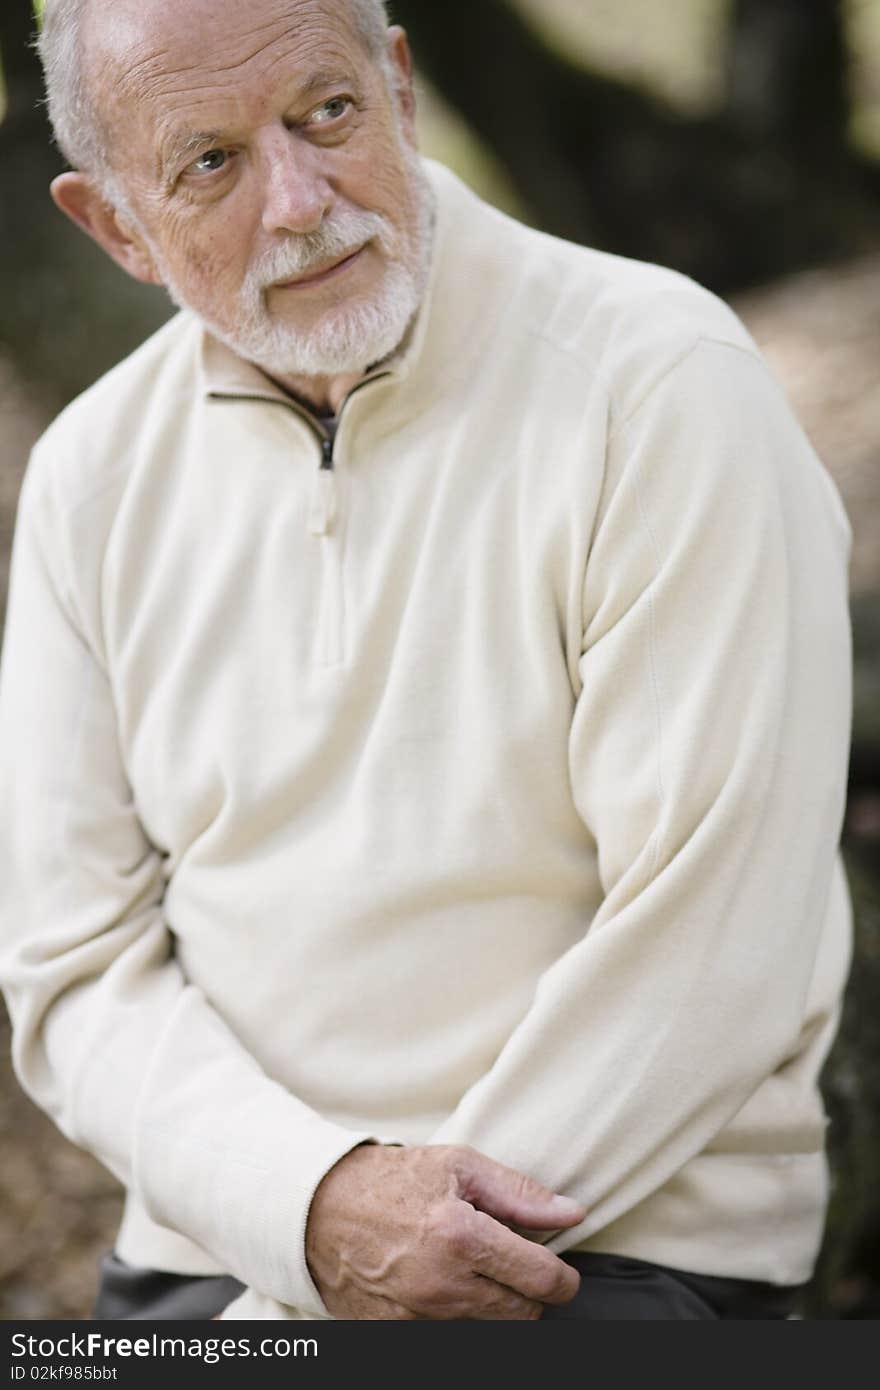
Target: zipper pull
322	508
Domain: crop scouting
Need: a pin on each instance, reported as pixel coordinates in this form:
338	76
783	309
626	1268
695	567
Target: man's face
270	168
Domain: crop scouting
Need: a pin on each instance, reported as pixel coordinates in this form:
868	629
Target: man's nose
296	191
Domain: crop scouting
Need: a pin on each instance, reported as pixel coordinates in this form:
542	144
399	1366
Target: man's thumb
515	1197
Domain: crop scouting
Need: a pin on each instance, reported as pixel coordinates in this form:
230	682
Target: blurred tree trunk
787	75
21	68
765	186
49	272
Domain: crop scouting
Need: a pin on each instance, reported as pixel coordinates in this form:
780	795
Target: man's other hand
424	1233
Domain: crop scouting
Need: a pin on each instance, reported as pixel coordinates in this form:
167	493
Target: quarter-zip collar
228	377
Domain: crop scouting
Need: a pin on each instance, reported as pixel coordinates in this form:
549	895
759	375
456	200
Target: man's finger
512	1196
495	1303
519	1264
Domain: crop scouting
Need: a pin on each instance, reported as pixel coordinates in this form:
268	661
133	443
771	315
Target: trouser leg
617	1288
127	1292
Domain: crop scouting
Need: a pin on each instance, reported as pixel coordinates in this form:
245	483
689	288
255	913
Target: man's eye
209	162
330	111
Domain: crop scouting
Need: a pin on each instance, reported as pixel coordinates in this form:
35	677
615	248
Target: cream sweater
491	795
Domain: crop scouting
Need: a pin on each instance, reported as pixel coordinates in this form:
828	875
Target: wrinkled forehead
145	53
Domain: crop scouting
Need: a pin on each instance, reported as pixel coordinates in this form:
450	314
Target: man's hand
424	1232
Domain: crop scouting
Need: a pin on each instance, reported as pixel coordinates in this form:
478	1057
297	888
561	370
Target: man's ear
402	67
80	199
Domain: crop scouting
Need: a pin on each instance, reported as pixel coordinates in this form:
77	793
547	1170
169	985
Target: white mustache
346	232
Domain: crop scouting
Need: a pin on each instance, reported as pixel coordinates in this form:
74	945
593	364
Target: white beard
350	336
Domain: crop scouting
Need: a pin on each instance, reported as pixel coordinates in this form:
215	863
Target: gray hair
75	120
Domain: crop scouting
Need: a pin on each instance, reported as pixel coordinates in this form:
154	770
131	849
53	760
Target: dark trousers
613	1287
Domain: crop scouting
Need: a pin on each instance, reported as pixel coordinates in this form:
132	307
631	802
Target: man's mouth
322	273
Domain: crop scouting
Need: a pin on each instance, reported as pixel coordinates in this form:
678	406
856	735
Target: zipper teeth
324	501
327	440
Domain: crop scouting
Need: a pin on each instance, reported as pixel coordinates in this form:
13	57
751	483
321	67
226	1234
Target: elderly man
425	707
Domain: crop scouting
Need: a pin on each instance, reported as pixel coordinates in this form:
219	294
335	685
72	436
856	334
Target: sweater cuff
304	1295
254	1304
248	1205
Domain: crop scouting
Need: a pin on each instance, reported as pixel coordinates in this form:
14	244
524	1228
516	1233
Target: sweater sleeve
708	759
109	1037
